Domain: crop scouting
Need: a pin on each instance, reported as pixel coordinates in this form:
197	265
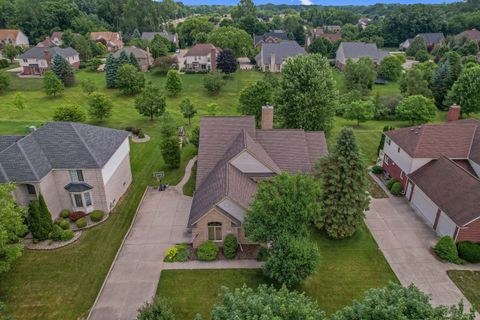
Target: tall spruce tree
123	58
134	61
111	67
39	219
63	70
343	178
446	75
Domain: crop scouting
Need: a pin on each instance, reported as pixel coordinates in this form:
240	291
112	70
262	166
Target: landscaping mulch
245	252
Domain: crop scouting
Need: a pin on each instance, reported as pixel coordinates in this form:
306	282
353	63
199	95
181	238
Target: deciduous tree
466	91
170	148
213	82
360	110
239	41
417	44
158	309
226	61
417	109
360	75
4	81
413	83
390	68
130	80
174	84
151	102
19	101
188	110
71	113
10	52
253	97
52	84
100	106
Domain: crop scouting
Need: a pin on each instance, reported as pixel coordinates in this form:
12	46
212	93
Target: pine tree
123	58
39	219
111	67
63	70
343	177
134	61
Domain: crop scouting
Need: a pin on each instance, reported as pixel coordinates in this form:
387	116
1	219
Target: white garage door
424	205
445	227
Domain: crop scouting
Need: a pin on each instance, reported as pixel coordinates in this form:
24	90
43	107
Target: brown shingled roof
201	49
473	34
455	190
8	34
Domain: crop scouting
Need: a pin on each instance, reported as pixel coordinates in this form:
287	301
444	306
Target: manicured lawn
347	269
189	187
469	283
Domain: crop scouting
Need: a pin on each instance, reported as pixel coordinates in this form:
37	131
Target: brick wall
472	232
394	170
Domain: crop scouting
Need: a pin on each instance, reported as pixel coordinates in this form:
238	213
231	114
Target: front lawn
347	269
469	283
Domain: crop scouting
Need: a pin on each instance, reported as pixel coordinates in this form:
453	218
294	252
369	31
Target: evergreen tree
123	58
111	67
171	152
134	61
174	84
445	77
226	61
343	177
39	219
63	70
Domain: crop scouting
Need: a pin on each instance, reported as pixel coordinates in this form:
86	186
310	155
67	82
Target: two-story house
272	56
39	59
143	57
74	166
202	57
357	50
111	40
439	168
14	37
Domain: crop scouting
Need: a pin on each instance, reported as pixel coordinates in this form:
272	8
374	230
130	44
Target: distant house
56	38
233	156
321	33
473	34
172	37
272	56
356	50
364	22
144	58
269	37
431	40
39	59
111	40
47	42
202	57
14	37
439	167
74	166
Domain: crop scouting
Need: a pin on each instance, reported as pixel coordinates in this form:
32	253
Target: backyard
469	283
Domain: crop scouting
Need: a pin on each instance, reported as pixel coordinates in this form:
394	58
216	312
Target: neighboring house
74	166
320	33
439	168
39	59
47	42
473	34
356	50
202	57
14	37
431	40
332	29
272	56
364	22
144	58
111	40
56	37
172	37
233	156
269	37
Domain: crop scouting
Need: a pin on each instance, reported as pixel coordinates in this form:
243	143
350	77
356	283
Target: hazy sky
319	2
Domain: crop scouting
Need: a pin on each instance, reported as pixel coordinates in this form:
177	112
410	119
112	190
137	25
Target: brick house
233	156
439	168
39	59
74	166
202	57
331	33
111	40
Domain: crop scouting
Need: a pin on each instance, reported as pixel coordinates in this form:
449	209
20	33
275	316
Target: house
272	56
323	33
74	166
172	37
14	37
269	37
439	167
431	40
356	50
473	34
364	22
111	40
56	38
39	59
47	42
332	28
233	156
144	58
202	57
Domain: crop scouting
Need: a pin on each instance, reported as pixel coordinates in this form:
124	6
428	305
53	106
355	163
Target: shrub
230	245
81	223
64	224
396	189
129	128
96	215
74	216
447	250
207	251
171	254
59	234
136	131
4	63
469	251
262	254
390	183
65	213
183	253
159	309
377	170
141	135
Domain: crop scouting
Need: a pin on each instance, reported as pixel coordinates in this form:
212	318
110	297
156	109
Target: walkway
160	222
406	241
218	264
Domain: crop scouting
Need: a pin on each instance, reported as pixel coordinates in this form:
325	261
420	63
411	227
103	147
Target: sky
310	2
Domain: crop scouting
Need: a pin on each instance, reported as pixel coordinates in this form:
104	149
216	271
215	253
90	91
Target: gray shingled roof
39	52
57	145
277	34
355	50
282	51
432	38
137	52
149	35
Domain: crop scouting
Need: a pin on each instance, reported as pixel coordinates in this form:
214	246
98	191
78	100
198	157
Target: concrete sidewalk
218	264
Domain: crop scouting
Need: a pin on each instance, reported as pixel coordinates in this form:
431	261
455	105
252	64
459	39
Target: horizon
317	2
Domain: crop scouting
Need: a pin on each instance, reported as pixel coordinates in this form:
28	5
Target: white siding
401	159
41	62
475	166
246	163
426	207
419	162
445	226
117	158
21	40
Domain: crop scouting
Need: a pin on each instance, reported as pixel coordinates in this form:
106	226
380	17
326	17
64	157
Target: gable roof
455	190
137	52
281	50
39	52
356	50
452	139
112	38
432	37
57	145
9	34
57	35
219	181
473	34
201	49
150	35
276	34
47	42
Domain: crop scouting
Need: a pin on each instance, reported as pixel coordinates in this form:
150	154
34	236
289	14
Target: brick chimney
267	117
453	113
213	58
47	56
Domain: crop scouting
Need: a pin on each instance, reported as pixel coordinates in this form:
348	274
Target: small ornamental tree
360	75
360	110
4	81
466	91
150	102
226	61
10	52
188	110
417	44
19	101
413	83
390	68
213	82
88	86
158	309
170	148
39	220
130	80
111	66
253	97
100	106
63	70
70	113
417	109
265	302
52	84
173	84
344	181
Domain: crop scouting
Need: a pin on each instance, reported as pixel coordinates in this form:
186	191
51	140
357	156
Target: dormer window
387	139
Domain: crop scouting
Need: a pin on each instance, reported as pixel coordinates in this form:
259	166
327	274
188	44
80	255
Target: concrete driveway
405	240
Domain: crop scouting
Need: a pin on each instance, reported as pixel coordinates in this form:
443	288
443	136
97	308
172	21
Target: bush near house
97	215
262	254
74	216
396	189
391	182
207	251
447	250
178	253
64	224
469	251
81	223
65	213
230	245
377	170
59	234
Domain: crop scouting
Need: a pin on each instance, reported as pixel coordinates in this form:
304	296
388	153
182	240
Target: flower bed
74	216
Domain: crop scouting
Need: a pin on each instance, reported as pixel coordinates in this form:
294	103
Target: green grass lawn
469	283
189	187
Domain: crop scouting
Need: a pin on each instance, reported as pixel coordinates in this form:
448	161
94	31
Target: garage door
424	205
445	227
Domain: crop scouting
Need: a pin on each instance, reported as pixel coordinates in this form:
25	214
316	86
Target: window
388	140
401	174
76	175
25	60
78	200
88	199
31	189
215	231
398	149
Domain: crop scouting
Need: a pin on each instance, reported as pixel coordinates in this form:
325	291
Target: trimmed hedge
65	213
230	245
81	223
469	251
58	234
396	189
97	215
207	251
377	169
64	224
447	250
